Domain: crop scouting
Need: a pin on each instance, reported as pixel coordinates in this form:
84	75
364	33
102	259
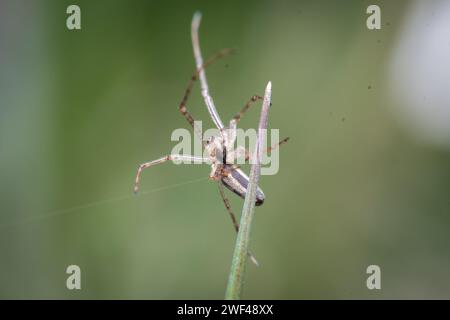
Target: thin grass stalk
239	262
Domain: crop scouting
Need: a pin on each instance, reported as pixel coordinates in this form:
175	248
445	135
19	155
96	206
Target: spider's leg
201	72
273	147
162	160
233	122
240	151
248	154
227	204
182	107
244	109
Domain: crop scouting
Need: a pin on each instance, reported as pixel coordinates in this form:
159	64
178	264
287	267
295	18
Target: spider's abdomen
237	181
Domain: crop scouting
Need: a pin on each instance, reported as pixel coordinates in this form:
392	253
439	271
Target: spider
220	151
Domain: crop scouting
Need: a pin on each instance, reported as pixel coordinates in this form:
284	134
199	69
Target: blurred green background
79	110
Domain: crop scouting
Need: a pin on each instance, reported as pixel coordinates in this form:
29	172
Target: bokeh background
365	178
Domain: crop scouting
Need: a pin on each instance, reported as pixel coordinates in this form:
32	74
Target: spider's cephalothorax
219	149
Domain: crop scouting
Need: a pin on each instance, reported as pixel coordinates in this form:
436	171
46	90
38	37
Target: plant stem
237	272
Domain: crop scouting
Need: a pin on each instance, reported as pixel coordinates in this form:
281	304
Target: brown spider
220	150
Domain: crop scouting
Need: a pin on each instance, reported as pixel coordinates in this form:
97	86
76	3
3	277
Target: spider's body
237	181
222	157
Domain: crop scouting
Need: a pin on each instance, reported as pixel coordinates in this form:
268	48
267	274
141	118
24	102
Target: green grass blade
239	262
